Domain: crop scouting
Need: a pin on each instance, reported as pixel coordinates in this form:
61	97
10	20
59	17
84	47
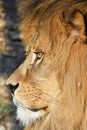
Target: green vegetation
5	109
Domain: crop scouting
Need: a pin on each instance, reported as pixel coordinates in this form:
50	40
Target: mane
43	9
33	13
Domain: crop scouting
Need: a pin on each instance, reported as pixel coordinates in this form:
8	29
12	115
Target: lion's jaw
29	114
27	117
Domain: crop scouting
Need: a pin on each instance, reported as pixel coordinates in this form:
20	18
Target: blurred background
11	56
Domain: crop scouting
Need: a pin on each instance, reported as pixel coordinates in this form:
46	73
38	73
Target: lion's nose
12	87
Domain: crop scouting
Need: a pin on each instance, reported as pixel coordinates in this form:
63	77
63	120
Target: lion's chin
28	117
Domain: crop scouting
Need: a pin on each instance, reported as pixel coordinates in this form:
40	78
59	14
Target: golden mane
44	9
38	11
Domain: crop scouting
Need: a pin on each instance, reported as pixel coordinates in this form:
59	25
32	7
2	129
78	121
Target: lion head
50	87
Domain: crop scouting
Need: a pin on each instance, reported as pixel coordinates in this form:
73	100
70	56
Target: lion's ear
76	22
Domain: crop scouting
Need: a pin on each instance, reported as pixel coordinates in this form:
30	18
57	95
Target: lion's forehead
42	40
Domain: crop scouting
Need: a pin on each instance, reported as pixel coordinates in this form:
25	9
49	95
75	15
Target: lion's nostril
13	87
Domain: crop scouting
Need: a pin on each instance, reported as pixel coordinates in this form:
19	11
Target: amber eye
39	55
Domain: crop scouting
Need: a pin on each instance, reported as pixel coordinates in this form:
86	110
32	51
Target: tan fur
59	82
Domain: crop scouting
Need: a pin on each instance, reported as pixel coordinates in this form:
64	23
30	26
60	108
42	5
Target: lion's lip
19	104
38	109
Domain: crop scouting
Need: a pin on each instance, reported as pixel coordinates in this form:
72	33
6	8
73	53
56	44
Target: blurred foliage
5	109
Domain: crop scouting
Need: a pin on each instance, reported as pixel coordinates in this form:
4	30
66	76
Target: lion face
42	84
37	88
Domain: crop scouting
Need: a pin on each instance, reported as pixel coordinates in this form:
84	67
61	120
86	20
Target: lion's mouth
38	109
19	104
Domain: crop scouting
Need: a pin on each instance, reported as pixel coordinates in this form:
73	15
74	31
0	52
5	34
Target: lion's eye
39	55
38	58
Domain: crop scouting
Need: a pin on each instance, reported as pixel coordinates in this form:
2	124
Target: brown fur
61	29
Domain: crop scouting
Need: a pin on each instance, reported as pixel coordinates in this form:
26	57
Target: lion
50	87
